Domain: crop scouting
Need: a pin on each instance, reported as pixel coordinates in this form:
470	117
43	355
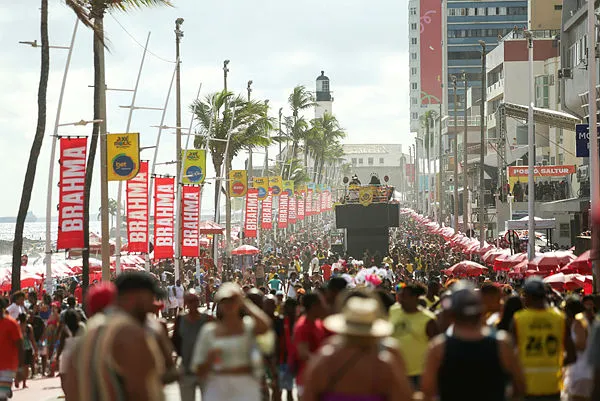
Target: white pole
218	188
531	157
160	128
48	247
120	189
594	154
178	197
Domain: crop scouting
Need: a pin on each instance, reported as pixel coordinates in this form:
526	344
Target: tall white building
324	99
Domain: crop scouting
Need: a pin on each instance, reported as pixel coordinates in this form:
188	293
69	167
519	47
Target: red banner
137	210
282	222
189	221
410	172
267	212
431	52
300	207
164	210
542	171
251	223
317	203
324	197
71	192
308	208
292	210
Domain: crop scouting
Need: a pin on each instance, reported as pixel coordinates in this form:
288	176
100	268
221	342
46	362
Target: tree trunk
228	208
321	169
315	169
34	152
306	155
98	12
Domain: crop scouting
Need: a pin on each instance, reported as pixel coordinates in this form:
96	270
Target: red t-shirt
311	332
326	269
10	333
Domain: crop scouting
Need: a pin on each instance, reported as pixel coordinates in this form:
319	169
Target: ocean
37	230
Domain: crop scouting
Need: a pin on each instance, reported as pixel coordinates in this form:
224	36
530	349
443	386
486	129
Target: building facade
380	159
323	96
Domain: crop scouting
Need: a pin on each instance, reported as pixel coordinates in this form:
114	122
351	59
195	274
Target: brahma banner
251	222
189	221
164	211
238	183
123	156
267	212
431	52
292	209
283	210
300	206
71	193
137	211
308	208
324	197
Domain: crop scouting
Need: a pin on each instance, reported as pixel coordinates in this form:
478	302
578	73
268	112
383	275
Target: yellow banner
365	196
123	156
288	186
194	166
276	184
262	184
238	183
302	189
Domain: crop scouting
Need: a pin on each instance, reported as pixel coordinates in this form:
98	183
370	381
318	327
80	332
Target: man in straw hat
357	366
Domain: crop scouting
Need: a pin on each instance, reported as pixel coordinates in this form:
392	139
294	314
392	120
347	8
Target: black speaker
371	239
376	215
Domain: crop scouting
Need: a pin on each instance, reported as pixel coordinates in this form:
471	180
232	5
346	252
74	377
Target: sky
278	44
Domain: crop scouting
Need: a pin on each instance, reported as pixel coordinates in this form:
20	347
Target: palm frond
124	5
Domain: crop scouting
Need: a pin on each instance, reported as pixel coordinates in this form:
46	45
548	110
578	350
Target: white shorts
180	303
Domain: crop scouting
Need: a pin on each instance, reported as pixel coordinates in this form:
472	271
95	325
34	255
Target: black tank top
471	371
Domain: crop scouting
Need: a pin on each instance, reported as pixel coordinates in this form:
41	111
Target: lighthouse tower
323	96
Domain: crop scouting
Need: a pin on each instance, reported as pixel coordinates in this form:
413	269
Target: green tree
323	138
299	100
34	152
249	125
91	13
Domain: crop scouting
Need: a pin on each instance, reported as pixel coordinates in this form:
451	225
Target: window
561	159
381	160
557	7
541	91
414	116
413	26
413	41
480	11
517	10
354	161
564	230
501	10
492	10
414	100
360	161
413	11
413	56
414	86
370	161
413	70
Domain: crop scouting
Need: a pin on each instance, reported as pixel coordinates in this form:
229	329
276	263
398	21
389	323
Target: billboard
431	51
520	173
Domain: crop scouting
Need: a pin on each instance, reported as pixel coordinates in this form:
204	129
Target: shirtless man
130	361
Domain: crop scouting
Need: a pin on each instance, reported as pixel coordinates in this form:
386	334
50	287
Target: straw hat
360	317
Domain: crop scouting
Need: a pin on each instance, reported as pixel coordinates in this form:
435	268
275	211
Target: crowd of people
298	324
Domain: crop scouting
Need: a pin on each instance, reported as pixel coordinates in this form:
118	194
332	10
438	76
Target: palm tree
91	13
299	100
34	153
298	128
324	139
249	129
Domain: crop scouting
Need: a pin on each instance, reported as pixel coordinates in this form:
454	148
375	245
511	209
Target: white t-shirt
291	293
314	265
15	310
179	292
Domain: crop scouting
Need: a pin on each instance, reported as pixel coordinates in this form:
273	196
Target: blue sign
123	165
582	140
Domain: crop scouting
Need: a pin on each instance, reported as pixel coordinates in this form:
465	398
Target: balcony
491	121
495	90
472	121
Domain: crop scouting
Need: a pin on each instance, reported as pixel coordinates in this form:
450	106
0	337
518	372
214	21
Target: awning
523	224
553	118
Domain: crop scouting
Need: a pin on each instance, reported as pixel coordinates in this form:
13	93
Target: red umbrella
492	254
550	261
245	250
466	268
210	227
504	262
519	270
582	264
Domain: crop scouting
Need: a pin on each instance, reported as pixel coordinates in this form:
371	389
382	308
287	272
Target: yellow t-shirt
410	331
540	341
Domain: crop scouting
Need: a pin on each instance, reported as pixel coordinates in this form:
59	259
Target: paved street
50	390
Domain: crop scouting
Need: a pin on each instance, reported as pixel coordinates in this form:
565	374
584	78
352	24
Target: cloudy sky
361	45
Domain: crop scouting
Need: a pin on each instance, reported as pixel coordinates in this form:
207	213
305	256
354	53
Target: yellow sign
302	189
123	156
194	166
262	184
238	183
276	184
288	186
365	196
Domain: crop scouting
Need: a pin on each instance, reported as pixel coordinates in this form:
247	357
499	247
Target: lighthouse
323	96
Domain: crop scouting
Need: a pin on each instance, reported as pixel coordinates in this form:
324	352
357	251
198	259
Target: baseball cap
464	300
535	287
137	280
